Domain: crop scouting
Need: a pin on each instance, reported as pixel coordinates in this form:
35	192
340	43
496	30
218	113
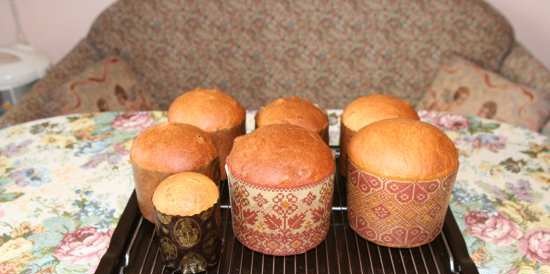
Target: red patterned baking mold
397	213
280	221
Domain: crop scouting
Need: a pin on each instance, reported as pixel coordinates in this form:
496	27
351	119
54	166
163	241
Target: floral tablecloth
65	181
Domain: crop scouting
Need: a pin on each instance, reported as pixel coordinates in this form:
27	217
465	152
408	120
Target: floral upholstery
105	86
522	67
34	104
108	85
464	88
326	51
79	58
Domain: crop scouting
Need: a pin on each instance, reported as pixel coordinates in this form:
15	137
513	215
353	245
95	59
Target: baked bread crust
185	194
214	112
280	155
365	110
172	147
375	107
209	109
295	111
403	149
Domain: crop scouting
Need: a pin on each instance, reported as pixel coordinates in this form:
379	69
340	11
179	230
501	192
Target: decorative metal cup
191	244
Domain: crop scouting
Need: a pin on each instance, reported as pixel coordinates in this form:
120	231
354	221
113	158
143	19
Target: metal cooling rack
134	249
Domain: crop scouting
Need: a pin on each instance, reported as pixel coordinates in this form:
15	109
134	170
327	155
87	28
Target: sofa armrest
39	102
522	67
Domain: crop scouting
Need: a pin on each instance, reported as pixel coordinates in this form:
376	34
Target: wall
56	25
53	26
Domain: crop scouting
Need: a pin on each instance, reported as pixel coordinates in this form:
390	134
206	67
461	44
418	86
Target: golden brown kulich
280	155
185	194
284	176
165	149
400	177
295	111
213	111
403	149
365	110
188	221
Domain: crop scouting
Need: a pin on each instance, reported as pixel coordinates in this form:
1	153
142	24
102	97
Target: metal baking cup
190	244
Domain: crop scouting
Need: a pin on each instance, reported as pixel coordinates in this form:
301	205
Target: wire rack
134	249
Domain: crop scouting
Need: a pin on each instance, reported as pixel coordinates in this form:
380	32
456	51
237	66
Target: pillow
109	85
464	88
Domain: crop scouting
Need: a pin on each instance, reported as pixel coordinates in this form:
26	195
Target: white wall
531	22
56	25
53	26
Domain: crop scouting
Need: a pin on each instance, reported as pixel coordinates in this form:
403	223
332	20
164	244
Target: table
64	182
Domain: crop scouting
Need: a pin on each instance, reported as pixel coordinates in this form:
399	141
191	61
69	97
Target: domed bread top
208	109
368	109
295	111
172	147
403	149
280	156
185	194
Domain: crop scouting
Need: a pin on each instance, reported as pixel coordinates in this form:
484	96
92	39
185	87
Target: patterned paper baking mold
397	213
280	221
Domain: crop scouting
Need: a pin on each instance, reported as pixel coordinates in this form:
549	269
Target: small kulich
296	111
213	111
165	149
281	182
365	110
188	222
400	177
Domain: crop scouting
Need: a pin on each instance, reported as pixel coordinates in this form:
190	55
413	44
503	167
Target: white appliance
20	65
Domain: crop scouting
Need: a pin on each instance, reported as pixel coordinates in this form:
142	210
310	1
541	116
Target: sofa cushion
109	85
464	88
37	103
522	67
326	51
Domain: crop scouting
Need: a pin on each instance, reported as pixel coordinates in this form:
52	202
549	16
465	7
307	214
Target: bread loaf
365	110
283	176
213	111
165	149
400	177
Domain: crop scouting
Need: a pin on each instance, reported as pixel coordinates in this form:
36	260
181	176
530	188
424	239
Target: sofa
328	51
